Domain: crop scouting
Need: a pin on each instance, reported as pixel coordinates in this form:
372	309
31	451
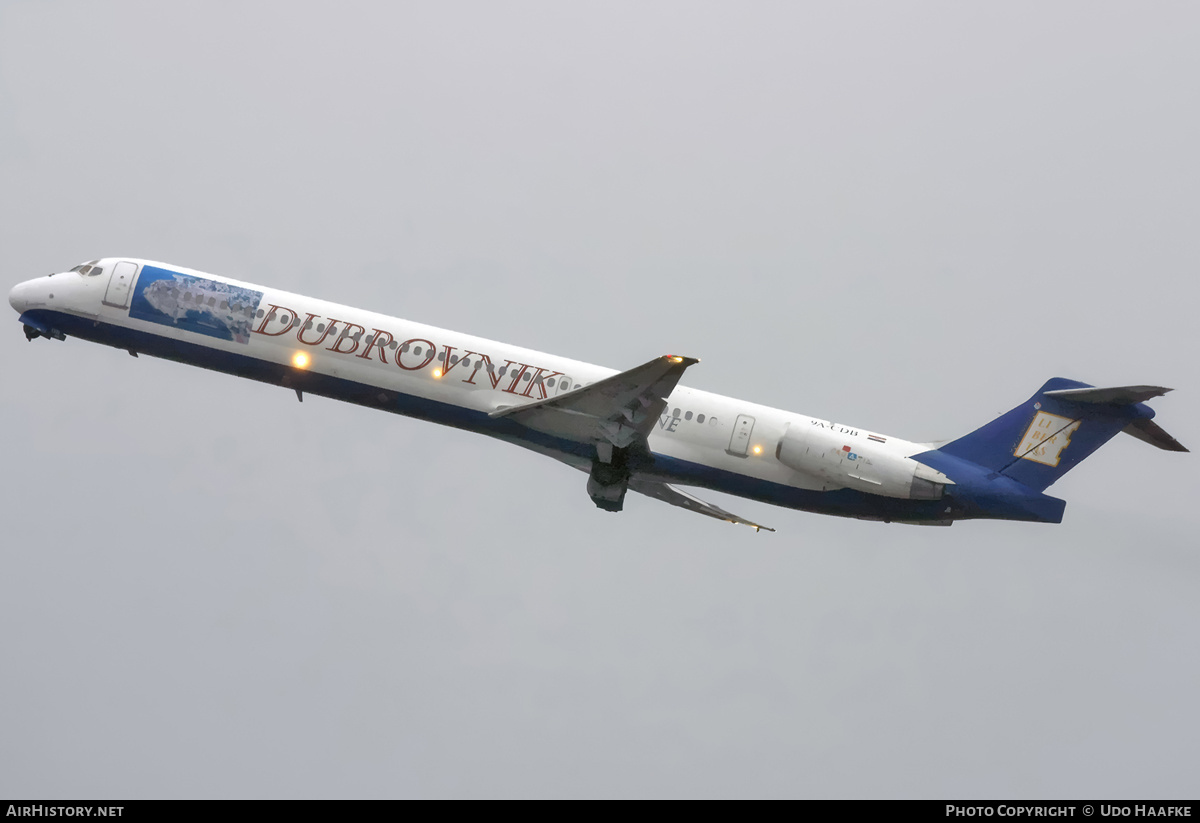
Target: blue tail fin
1062	424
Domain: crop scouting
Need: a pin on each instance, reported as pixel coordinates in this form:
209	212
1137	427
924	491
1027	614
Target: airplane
636	429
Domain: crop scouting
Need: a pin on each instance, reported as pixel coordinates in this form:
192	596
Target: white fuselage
443	371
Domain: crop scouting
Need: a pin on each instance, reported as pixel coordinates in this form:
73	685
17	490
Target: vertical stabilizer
1059	427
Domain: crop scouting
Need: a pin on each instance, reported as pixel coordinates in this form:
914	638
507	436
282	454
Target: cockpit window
88	269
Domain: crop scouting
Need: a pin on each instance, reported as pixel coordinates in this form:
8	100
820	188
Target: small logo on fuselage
1047	436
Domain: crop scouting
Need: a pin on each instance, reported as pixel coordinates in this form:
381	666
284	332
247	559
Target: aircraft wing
621	409
669	494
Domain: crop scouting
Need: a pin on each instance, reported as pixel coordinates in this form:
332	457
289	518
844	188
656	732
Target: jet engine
843	458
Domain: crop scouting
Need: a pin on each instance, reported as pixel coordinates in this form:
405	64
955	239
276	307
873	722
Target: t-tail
1001	469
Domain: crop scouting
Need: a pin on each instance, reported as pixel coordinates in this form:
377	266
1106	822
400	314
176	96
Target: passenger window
699	418
687	416
550	382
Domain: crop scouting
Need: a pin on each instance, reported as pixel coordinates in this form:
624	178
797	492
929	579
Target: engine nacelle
842	459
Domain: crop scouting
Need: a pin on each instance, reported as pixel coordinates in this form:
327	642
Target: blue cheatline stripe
842	502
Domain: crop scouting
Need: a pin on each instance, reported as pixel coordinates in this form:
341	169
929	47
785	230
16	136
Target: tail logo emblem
1046	438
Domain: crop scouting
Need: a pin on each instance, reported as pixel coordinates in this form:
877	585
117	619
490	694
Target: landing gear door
739	442
120	283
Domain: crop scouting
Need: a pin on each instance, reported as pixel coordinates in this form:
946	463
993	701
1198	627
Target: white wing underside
676	497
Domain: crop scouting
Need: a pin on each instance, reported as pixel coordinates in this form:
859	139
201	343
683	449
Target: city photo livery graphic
195	304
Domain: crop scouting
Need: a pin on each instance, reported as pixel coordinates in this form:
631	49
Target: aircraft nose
30	294
18	298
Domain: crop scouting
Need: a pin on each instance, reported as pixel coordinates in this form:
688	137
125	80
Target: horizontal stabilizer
1116	396
1150	432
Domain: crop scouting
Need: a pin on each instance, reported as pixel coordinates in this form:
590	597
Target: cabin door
120	283
739	442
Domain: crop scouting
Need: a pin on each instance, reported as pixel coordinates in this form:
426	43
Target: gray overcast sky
901	216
